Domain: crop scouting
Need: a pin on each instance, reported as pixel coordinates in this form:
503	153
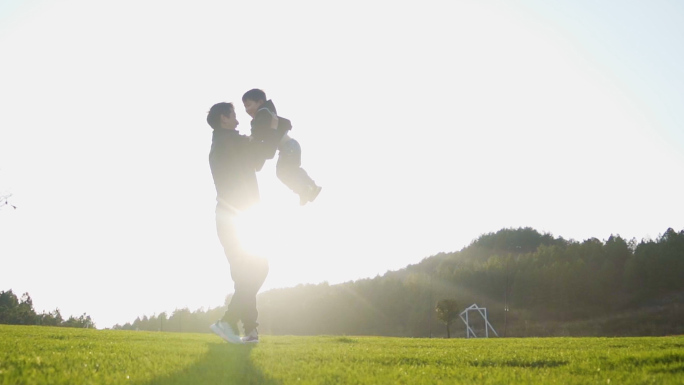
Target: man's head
253	99
222	116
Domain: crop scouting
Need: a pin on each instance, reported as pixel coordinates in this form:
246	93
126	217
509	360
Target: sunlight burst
268	231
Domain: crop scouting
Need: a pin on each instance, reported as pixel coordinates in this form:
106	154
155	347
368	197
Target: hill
532	284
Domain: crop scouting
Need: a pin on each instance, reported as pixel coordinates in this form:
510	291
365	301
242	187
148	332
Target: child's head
253	99
222	116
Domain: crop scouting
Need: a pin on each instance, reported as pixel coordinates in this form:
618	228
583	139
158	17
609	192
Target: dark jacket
232	160
267	139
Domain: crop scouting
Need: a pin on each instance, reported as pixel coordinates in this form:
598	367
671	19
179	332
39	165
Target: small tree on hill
447	312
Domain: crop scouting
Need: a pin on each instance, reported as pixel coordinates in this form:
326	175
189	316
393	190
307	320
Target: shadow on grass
223	364
520	363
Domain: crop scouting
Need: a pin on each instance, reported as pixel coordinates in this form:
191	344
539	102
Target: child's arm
263	136
267	131
262	122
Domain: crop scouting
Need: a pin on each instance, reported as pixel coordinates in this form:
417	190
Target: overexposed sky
427	124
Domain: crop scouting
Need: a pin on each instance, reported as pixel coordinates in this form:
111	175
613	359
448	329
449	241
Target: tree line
180	320
19	311
532	284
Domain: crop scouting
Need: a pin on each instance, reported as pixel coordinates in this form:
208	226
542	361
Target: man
233	160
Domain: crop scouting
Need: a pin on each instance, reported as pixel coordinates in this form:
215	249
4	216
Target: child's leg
289	170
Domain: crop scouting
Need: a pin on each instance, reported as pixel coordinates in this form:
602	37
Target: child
288	168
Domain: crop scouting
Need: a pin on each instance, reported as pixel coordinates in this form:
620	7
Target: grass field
44	355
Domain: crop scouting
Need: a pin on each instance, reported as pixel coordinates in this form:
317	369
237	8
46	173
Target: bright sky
427	123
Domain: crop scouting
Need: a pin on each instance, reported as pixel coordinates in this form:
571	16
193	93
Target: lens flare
266	231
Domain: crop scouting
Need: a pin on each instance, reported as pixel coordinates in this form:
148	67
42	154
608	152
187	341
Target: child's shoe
310	195
314	193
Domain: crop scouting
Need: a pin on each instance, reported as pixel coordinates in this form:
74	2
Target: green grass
43	355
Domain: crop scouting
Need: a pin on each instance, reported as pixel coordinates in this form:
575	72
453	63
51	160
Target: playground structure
4	201
483	312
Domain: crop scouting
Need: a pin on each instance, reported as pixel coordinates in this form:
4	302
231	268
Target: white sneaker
225	331
251	338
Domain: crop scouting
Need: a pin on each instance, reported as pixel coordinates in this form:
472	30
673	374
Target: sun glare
268	230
